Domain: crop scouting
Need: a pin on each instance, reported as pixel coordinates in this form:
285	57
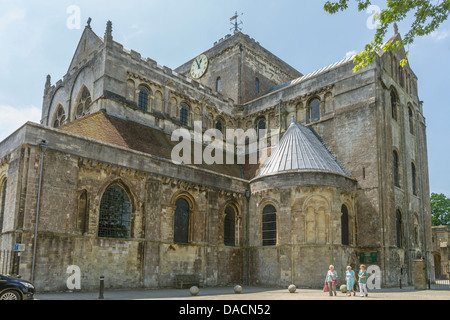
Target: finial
89	23
48	83
108	33
395	28
292	119
235	23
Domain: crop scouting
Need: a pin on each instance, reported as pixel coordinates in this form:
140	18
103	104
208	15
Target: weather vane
235	23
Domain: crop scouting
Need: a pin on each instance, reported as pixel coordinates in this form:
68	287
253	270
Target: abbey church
94	185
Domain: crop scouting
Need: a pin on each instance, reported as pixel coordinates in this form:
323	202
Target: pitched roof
126	133
301	149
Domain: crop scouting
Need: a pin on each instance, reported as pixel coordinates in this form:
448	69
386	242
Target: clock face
199	66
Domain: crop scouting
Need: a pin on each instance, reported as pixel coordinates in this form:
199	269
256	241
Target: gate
442	281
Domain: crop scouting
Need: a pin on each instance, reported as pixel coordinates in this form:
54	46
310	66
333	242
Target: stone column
420	277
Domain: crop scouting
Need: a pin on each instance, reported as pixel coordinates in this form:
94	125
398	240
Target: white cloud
439	35
9	17
12	118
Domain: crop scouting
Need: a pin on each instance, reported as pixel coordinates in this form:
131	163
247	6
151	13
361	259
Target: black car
15	289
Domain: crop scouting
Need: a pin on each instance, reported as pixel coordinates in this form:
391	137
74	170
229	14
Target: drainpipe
247	225
43	147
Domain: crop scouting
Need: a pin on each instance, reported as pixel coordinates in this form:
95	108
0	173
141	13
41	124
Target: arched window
398	225
401	78
60	117
184	115
394	105
83	212
84	104
413	177
411	120
262	124
396	169
229	228
257	85
143	99
115	213
269	226
344	226
218	84
219	125
181	221
313	111
2	203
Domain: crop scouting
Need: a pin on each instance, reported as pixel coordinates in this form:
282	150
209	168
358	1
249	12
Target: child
363	275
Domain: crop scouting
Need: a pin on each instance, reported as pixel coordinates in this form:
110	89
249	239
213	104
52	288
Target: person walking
331	280
363	275
350	277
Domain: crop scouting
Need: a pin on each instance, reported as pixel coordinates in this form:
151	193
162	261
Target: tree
440	210
429	15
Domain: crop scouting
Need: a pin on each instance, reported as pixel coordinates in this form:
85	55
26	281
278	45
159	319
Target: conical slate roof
301	149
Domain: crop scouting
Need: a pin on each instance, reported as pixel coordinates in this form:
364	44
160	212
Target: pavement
248	294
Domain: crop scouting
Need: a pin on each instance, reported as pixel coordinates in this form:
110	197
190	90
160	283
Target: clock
199	66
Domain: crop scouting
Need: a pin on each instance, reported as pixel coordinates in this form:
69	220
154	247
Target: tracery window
84	104
115	213
60	117
269	226
230	227
181	221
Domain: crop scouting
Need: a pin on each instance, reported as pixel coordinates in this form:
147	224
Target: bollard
102	287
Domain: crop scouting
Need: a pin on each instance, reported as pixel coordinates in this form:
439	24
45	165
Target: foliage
429	15
440	209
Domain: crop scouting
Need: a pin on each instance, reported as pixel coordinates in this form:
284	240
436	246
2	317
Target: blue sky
35	40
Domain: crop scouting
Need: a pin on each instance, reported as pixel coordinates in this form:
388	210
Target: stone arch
144	97
317	214
84	78
313	109
329	103
184	211
158	104
115	218
59	118
230	218
57	99
131	90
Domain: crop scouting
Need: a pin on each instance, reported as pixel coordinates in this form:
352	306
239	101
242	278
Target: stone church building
93	185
